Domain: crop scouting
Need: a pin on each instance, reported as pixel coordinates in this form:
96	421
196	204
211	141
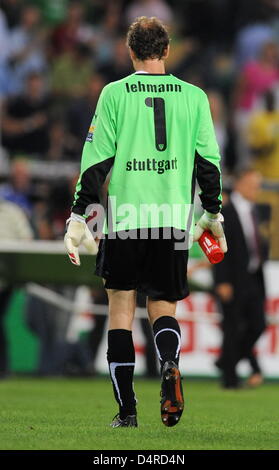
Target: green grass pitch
75	414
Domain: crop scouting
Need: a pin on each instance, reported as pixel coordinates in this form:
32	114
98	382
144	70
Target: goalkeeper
146	122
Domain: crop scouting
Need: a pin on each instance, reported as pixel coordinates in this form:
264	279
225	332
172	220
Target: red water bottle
211	248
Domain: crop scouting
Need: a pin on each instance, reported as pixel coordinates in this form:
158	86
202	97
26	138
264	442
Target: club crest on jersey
90	134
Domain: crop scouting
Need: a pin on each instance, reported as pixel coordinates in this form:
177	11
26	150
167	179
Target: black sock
167	339
121	359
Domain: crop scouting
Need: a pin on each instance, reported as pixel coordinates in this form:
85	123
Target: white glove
212	223
78	233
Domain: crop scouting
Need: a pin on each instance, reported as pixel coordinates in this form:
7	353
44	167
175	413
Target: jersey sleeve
98	154
208	160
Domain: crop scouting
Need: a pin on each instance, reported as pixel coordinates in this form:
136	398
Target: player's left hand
213	223
78	233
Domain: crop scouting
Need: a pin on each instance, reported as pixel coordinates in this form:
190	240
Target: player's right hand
213	223
78	233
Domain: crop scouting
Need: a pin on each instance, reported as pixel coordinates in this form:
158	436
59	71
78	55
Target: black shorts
151	266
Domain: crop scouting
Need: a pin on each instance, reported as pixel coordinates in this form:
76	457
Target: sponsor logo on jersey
90	134
151	164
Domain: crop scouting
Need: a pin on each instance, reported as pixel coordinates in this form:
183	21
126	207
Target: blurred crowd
57	55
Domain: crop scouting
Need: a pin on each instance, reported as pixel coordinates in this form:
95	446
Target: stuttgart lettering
151	164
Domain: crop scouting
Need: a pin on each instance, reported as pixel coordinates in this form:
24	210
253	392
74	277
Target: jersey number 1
158	105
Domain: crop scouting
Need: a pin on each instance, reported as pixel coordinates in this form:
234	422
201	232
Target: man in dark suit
239	282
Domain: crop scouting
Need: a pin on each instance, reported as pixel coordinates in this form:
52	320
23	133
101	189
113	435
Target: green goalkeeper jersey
155	133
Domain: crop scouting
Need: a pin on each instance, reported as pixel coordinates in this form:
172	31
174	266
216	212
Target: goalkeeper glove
213	223
78	233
